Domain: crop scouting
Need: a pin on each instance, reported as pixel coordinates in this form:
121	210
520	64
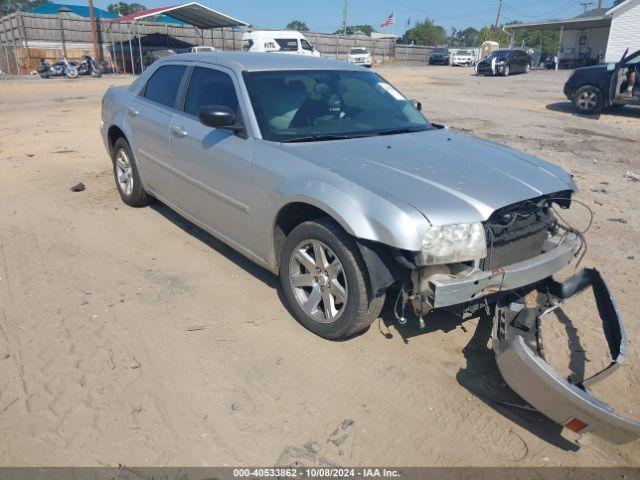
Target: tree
124	8
425	33
10	6
297	25
467	37
353	29
494	34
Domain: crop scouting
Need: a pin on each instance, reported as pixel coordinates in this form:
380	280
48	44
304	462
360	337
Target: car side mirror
216	116
416	104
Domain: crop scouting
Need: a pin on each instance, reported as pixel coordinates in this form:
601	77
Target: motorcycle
62	67
89	67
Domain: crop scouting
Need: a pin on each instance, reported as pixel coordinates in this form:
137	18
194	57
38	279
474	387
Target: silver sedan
326	174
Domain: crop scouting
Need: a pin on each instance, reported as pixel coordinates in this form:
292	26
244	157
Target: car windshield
441	50
358	51
500	54
310	105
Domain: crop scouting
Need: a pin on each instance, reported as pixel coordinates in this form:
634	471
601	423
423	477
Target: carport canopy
191	13
593	19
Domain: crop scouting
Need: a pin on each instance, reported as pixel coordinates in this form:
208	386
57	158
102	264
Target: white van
280	41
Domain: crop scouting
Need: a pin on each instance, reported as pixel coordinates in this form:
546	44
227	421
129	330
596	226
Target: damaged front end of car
525	245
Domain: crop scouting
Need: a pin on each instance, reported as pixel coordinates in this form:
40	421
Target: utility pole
344	18
94	32
599	3
586	5
495	27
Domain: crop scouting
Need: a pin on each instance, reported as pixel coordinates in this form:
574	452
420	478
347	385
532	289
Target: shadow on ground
229	253
480	377
628	111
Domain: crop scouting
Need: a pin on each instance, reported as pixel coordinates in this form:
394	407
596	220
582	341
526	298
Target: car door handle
133	112
178	131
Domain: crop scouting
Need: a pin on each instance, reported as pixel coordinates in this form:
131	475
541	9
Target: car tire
588	100
527	68
506	71
127	177
339	277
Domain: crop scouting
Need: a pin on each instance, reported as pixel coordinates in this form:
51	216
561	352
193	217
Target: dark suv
505	62
440	56
592	89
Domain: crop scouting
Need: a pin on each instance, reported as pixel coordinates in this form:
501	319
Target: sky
326	15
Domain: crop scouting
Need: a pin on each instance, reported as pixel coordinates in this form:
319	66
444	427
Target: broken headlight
454	243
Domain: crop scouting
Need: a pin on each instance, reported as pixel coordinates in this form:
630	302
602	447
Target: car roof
250	61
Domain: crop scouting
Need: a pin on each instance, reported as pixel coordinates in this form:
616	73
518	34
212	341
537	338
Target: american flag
387	21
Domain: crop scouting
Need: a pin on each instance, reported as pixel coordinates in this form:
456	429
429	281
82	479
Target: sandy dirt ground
130	336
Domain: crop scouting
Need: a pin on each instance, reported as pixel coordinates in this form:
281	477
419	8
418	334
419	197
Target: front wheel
588	100
527	68
324	281
506	71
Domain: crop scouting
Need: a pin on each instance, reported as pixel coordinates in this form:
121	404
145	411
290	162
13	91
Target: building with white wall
600	35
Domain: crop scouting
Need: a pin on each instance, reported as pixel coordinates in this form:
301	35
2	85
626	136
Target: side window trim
142	94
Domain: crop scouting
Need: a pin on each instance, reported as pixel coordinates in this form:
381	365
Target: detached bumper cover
524	369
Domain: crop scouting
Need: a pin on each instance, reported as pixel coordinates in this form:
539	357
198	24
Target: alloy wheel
124	172
587	100
318	281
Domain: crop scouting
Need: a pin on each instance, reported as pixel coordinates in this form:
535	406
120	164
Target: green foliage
124	8
426	33
352	29
531	39
297	25
493	34
465	38
10	6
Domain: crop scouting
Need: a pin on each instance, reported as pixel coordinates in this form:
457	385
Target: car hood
449	177
591	69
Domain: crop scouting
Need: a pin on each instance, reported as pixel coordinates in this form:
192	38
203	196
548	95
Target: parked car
326	174
277	41
462	57
359	56
201	48
592	89
440	56
504	62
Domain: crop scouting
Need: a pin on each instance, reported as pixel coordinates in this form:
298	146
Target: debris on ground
341	432
633	176
301	457
312	446
617	219
135	364
598	190
235	406
78	188
195	328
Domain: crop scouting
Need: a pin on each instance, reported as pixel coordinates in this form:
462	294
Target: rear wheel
127	177
588	100
324	281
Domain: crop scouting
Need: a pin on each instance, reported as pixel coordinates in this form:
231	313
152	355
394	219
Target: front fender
362	213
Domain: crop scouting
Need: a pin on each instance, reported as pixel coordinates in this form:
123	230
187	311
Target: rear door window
163	85
210	87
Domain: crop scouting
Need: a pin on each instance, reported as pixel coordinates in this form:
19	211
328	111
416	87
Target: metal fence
25	38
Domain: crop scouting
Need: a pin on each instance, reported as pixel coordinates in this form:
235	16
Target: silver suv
326	174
